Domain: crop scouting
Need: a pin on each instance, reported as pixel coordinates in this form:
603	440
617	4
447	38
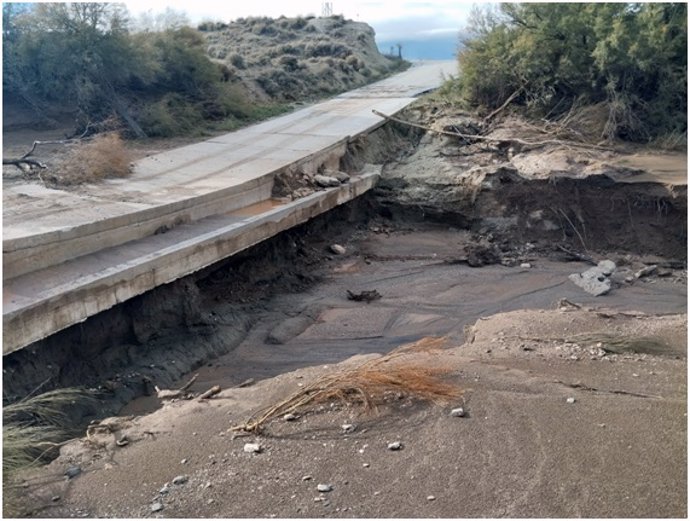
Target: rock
165	489
396	445
606	267
306	478
72	471
365	465
252	448
337	249
156	507
458	413
526	265
570	400
289	417
324	487
180	480
595	281
326	181
340	176
55	498
430	498
646	271
348	428
184	461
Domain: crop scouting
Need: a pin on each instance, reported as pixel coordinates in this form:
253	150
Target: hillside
289	59
175	82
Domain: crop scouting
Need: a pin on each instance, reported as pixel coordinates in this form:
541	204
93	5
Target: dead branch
189	384
558	142
577	256
27	163
211	392
502	107
582	241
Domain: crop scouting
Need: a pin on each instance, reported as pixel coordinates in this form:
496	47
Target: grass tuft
368	384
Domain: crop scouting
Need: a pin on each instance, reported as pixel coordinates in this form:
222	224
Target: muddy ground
575	404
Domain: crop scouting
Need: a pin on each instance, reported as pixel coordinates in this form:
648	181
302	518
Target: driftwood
211	392
171	394
507	141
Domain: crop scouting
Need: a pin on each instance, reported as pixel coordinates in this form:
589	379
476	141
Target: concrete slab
43	302
53	239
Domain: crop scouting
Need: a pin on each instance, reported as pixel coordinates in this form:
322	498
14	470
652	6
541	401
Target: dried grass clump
369	383
31	429
102	157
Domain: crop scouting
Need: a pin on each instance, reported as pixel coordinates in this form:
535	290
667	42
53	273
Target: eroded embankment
155	339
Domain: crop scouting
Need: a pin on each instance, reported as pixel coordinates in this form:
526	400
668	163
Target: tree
631	56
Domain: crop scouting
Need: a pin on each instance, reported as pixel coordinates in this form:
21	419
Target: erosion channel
571	394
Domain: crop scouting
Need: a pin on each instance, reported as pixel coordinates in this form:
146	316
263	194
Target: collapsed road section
69	256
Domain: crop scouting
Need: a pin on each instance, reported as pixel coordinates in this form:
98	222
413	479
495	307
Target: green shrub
633	57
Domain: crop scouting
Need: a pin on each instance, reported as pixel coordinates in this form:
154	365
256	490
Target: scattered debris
323	487
595	281
252	448
325	181
172	394
646	271
364	296
337	249
396	445
211	392
458	412
73	471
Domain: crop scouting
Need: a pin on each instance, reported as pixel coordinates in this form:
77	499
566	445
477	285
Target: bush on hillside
632	57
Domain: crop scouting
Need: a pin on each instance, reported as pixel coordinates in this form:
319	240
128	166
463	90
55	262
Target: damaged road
567	398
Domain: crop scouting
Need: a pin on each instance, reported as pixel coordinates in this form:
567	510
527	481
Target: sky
391	20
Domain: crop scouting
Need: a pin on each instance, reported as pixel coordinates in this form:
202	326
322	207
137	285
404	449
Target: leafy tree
633	57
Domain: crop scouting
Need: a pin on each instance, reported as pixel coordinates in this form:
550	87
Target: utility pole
327	9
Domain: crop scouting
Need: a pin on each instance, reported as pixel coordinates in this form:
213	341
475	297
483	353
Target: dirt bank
462	242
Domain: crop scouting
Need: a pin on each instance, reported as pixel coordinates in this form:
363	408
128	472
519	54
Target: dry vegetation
369	384
289	59
104	156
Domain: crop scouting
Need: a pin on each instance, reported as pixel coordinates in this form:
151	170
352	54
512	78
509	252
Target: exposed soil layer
463	242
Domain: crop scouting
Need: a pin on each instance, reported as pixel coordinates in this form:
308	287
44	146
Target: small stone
348	428
526	265
326	181
337	249
180	480
184	461
570	400
165	489
324	487
396	445
252	448
211	501
365	465
55	498
306	478
458	413
73	471
289	417
430	498
156	507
